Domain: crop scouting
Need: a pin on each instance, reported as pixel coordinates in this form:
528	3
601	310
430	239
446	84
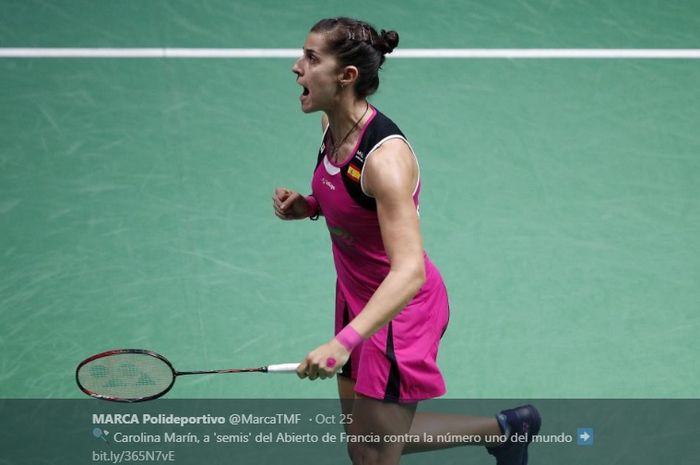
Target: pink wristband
313	205
348	338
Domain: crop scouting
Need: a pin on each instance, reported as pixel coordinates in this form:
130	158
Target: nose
296	69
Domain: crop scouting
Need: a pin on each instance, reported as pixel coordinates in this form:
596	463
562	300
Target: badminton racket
137	375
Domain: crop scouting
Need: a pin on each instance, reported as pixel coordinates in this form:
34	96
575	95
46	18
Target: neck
345	119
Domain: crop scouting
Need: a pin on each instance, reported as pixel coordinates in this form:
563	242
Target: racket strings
126	376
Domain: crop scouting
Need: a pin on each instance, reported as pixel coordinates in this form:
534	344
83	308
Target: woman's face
318	73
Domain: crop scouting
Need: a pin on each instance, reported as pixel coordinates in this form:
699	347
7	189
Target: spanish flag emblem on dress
354	172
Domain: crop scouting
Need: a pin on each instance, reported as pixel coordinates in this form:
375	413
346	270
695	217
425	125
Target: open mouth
305	92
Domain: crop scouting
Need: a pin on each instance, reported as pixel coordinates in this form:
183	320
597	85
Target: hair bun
390	39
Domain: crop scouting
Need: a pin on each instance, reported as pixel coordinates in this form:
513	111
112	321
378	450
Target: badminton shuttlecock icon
100	434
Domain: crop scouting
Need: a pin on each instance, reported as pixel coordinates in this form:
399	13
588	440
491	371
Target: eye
311	57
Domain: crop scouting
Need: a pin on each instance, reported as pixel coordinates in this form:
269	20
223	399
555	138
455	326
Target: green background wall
560	197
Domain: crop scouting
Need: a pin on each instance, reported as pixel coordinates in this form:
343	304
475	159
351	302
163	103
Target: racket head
125	375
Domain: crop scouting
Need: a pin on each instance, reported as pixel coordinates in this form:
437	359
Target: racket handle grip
283	368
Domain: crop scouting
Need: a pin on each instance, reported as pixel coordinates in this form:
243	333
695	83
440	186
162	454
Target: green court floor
561	198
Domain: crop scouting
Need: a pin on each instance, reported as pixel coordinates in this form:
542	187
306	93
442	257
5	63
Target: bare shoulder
390	168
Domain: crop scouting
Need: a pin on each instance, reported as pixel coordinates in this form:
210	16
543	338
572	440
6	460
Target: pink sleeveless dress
397	363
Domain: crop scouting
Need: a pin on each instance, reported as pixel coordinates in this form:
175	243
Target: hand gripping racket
136	375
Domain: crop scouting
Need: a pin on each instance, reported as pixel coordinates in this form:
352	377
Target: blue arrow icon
584	436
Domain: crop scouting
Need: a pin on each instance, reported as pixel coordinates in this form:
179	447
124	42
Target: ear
348	76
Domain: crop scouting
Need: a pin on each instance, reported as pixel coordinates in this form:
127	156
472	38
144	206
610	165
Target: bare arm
291	205
391	174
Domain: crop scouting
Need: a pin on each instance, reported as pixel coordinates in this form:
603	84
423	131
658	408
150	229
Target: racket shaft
280	368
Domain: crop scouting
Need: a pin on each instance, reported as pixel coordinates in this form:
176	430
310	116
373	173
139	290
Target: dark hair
358	43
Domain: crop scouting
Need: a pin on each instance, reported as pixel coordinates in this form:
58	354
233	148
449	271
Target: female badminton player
391	304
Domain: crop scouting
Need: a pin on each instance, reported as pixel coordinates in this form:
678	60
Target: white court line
500	53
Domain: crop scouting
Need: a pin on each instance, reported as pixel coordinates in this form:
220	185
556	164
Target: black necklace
336	147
